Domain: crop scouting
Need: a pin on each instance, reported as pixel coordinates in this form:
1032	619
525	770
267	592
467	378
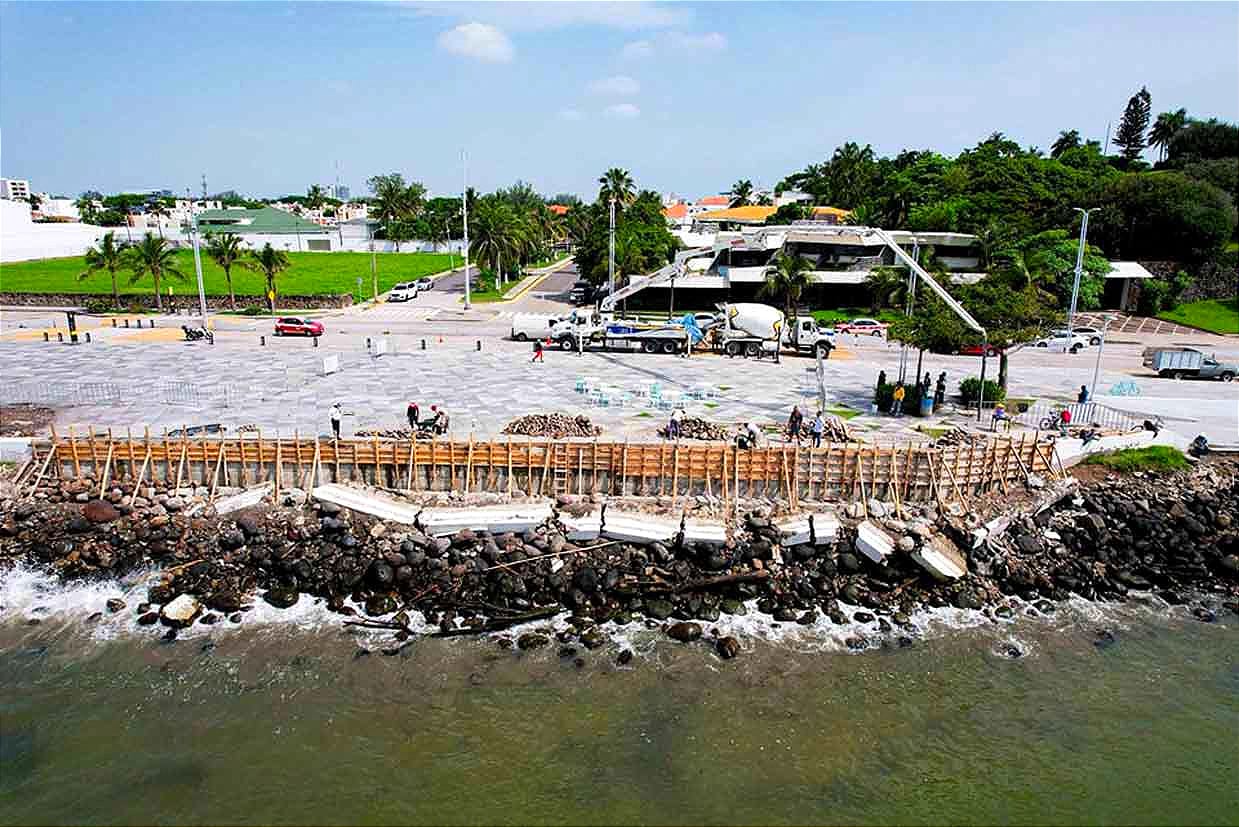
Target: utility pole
193	217
611	252
464	203
1075	288
374	265
909	305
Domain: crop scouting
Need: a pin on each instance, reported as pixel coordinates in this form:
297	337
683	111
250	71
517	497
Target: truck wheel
822	348
733	349
1228	377
521	337
670	347
1075	349
649	347
1178	374
753	349
1165	374
1096	340
566	343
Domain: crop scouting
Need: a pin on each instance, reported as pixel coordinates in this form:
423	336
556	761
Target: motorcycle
197	334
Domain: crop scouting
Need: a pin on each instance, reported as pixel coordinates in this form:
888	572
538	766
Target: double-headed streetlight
611	250
1075	288
464	203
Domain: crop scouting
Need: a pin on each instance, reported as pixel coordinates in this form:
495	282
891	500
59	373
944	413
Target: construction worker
415	414
336	413
673	427
940	390
537	351
794	422
818	428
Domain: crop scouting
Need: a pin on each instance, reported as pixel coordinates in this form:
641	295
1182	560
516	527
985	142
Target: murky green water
283	725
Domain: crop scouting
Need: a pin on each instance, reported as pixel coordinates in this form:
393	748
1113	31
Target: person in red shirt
1064	420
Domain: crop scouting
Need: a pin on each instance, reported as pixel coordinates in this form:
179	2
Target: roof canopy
263	220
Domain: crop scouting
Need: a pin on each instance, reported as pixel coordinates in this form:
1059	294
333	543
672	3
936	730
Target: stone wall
187	304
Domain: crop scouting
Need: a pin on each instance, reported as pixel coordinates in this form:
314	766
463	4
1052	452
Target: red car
862	327
975	350
292	326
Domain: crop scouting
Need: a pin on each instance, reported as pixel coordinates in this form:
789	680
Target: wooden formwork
786	473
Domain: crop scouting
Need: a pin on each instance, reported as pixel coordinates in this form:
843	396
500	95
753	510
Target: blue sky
266	97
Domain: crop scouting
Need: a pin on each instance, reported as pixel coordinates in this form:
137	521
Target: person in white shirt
336	413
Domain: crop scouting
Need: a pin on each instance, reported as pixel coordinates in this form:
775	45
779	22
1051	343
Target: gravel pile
553	425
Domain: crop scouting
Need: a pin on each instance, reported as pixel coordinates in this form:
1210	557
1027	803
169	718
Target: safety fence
1046	415
785	473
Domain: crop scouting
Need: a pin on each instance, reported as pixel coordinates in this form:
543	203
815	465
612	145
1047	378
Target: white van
527	326
403	291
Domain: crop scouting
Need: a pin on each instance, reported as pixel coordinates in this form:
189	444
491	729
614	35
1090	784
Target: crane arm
674	269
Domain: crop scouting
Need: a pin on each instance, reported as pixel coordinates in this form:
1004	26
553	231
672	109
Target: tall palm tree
152	256
741	193
493	235
1067	139
787	279
108	256
160	212
315	197
270	262
617	183
225	250
886	285
1167	125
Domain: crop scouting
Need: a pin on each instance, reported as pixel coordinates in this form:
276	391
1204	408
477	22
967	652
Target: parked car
1093	334
862	327
293	326
403	292
425	283
975	350
1063	340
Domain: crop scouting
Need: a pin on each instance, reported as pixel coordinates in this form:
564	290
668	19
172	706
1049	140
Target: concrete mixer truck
751	329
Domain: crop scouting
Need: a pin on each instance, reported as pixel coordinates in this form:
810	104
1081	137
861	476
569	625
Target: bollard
315	341
479	345
88	337
45	337
152	322
263	340
126	323
114	323
423	344
367	343
211	337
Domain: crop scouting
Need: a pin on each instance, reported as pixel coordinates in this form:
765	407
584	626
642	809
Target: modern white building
14	190
60	209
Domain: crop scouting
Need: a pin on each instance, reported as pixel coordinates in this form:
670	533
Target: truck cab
805	335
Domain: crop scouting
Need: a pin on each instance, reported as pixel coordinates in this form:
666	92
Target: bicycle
1052	421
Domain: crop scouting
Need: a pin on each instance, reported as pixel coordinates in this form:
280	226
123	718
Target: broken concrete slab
250	497
819	528
439	522
638	528
705	533
941	559
367	502
873	542
586	527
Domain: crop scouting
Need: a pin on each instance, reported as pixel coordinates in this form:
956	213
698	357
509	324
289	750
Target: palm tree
315	197
991	241
225	250
885	284
1167	125
108	256
494	235
617	183
741	193
862	215
270	262
1067	139
160	211
152	256
787	279
85	209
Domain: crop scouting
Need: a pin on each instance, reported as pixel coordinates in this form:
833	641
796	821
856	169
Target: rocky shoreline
1175	537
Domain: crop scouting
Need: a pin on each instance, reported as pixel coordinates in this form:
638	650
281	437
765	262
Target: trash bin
927	405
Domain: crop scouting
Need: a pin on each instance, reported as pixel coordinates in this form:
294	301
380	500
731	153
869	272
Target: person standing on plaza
673	427
897	401
940	390
794	423
818	428
1082	396
336	413
415	414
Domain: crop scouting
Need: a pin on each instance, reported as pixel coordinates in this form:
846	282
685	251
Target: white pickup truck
1188	363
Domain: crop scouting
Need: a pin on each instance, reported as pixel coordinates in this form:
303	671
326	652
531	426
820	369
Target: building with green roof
280	229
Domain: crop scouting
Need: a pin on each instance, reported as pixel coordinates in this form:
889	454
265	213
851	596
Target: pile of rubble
553	425
836	430
385	433
694	427
958	436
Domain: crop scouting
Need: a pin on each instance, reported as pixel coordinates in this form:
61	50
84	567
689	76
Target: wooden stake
675	473
546	467
180	466
860	475
279	469
219	459
959	497
51	452
509	466
787	483
107	467
893	487
316	464
469	464
412	461
624	470
77	467
580	469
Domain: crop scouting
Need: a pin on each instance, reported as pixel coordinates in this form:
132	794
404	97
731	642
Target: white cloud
620	86
571	115
706	42
559	15
478	40
637	50
626	111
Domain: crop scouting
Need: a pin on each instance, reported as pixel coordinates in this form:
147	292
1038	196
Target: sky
266	98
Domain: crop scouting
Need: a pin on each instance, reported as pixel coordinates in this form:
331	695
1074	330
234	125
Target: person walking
336	413
818	428
415	414
537	351
794	423
897	401
940	390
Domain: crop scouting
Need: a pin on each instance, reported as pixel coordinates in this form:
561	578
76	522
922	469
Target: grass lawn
846	314
1214	315
483	289
843	412
308	274
1161	458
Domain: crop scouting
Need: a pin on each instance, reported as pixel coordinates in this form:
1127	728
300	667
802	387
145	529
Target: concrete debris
440	522
226	505
586	527
367	503
638	528
873	542
941	559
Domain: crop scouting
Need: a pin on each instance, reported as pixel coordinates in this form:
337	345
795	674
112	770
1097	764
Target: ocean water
280	720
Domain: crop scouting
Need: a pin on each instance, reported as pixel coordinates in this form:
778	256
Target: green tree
225	250
153	257
495	235
1163	215
395	201
270	262
109	256
886	287
741	193
788	213
786	280
1131	133
1164	129
1067	139
160	211
616	183
1203	141
315	197
86	208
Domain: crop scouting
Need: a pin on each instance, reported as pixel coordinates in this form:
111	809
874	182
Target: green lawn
309	274
1214	315
846	314
1161	458
482	290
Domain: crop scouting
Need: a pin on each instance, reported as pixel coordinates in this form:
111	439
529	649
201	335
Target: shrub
98	305
884	397
970	388
253	310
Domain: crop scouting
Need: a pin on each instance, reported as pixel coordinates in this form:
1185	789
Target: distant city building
341	192
14	190
57	209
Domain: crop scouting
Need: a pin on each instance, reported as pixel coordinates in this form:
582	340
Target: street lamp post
1075	288
464	204
1092	392
197	261
611	249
